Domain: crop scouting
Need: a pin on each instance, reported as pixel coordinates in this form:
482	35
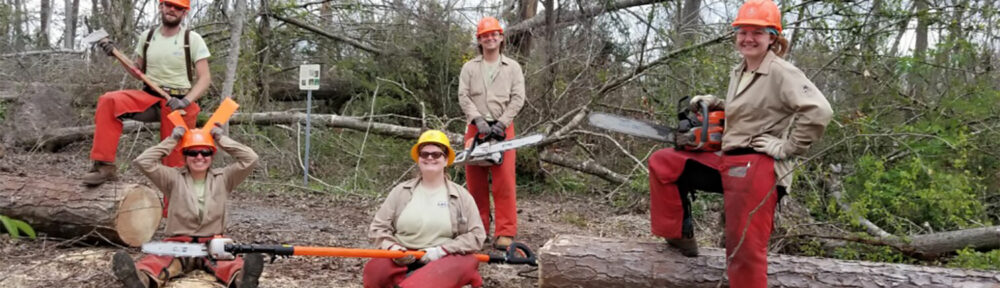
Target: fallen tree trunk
53	139
581	261
123	213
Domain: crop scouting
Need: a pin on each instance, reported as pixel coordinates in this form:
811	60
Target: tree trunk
687	21
119	212
69	34
263	58
43	29
581	261
233	59
523	41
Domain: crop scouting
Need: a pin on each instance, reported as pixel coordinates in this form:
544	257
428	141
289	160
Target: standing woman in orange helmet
491	93
773	114
432	214
197	214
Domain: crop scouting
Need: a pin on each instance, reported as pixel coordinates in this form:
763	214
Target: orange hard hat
487	25
182	3
197	138
759	13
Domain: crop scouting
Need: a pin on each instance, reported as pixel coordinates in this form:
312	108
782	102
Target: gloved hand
770	145
178	103
499	129
402	261
482	128
217	133
107	46
714	103
178	133
433	253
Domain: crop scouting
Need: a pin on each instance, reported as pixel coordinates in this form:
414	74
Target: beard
168	22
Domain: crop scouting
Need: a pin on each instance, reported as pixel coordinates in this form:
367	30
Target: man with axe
167	54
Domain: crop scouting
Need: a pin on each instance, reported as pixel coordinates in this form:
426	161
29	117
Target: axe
101	36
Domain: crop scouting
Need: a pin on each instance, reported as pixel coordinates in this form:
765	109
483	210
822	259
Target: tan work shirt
780	101
177	185
467	228
500	98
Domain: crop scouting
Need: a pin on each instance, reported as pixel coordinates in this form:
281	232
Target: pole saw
226	249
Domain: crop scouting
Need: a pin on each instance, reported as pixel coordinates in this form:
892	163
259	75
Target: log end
138	216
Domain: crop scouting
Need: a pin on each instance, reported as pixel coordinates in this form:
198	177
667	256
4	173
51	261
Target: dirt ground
283	215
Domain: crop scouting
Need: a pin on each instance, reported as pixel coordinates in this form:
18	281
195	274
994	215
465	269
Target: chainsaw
695	131
488	152
226	249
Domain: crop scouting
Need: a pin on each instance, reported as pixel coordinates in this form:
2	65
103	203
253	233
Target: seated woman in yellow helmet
432	214
197	211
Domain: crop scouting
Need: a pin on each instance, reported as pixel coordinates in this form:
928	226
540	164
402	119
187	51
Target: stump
123	213
581	261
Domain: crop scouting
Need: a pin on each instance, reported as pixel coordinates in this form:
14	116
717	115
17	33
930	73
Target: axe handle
128	64
138	74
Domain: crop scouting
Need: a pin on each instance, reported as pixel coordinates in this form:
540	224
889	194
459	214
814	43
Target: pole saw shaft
285	250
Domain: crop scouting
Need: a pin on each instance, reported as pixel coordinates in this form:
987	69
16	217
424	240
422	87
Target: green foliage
970	258
15	227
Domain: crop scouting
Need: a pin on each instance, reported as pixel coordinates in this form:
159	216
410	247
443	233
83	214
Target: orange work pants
113	105
504	188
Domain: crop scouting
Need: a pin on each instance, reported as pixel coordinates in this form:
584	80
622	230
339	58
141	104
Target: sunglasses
195	153
431	155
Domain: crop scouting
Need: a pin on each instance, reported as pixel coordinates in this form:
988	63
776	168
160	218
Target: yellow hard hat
436	137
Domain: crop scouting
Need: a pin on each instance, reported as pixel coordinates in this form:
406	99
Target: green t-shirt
165	65
490	70
199	191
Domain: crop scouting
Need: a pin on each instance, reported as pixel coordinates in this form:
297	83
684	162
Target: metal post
309	98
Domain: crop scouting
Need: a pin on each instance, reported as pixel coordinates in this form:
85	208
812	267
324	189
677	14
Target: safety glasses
431	155
196	152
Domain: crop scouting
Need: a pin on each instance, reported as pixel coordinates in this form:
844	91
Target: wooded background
913	84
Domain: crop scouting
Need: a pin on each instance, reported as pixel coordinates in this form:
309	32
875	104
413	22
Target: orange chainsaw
695	131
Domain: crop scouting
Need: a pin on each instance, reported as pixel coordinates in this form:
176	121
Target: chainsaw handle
513	258
704	124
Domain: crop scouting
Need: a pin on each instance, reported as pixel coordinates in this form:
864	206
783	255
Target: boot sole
253	266
124	269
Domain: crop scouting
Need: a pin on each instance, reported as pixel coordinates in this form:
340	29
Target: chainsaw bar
631	126
175	249
485	149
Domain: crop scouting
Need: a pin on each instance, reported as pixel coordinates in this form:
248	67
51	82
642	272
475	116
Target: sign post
309	81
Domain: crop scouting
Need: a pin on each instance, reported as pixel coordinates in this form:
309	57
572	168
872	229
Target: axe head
95	36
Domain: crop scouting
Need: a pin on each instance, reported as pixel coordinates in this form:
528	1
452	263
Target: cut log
581	261
123	213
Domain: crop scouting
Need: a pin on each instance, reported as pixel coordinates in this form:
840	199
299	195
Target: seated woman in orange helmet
198	196
773	114
432	214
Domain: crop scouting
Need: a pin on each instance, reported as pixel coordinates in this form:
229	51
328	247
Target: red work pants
162	268
504	188
449	271
744	180
112	105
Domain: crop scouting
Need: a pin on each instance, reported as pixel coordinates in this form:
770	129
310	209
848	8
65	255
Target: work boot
100	173
687	246
503	242
124	269
253	266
